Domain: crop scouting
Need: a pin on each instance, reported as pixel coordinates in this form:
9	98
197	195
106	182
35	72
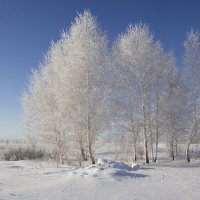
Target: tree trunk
89	142
151	142
156	152
157	136
91	154
193	131
144	128
89	119
157	123
146	152
152	151
57	159
131	116
188	152
172	150
135	152
176	146
83	155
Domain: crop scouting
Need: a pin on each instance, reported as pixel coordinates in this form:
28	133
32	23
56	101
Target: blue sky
28	26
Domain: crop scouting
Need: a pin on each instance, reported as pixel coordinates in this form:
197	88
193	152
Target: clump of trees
83	87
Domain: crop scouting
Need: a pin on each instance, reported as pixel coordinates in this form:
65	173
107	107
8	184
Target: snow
104	163
36	180
135	166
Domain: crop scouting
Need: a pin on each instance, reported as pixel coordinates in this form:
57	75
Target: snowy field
107	180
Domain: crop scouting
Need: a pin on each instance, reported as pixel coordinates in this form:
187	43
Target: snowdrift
105	164
109	169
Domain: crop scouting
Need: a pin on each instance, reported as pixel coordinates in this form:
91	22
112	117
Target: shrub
22	153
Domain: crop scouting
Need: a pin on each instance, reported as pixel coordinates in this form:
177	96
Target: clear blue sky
28	26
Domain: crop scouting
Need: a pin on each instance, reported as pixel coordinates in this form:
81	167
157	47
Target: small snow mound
104	164
108	169
135	166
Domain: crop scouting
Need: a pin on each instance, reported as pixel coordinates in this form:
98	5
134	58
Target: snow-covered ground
111	180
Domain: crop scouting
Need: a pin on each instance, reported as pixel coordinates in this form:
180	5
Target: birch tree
163	64
174	111
90	56
134	52
68	91
191	78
